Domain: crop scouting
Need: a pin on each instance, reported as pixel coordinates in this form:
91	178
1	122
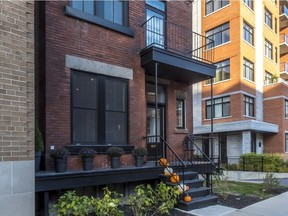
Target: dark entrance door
223	147
155	146
253	142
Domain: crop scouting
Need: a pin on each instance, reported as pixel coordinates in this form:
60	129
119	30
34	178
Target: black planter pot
87	164
60	165
115	162
37	161
139	160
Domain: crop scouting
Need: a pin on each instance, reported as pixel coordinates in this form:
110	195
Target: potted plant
115	153
60	159
87	155
39	147
139	154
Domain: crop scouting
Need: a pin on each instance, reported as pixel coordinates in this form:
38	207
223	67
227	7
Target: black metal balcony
182	55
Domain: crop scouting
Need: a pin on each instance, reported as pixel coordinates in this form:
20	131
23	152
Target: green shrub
150	201
270	184
71	204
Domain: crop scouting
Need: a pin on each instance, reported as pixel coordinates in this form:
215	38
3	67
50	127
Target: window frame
213	3
250	31
101	108
248	69
218	69
249	3
286	142
216	31
222	103
91	18
268	49
286	108
183	115
250	102
268	18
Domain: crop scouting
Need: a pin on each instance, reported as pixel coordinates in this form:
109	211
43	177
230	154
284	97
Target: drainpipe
156	109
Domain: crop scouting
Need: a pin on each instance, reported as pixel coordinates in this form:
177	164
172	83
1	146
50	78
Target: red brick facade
65	35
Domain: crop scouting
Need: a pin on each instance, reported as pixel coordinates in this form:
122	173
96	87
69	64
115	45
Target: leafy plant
115	151
39	142
150	201
71	204
61	153
108	206
220	183
270	184
140	151
87	153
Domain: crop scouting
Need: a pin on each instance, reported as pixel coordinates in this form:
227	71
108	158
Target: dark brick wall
70	36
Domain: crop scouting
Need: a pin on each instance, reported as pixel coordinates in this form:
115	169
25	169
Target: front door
155	145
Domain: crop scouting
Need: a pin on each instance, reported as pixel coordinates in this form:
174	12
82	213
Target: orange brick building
250	94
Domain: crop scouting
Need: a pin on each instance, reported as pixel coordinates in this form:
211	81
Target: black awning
175	67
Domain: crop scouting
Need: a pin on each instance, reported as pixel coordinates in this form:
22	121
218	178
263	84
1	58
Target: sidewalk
275	206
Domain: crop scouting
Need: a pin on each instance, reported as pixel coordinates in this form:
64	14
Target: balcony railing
284	38
175	38
284	67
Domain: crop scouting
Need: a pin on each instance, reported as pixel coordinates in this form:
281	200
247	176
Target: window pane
226	109
151	93
156	4
77	4
115	96
84	126
208	112
179	113
89	7
108	10
218	110
118	12
115	131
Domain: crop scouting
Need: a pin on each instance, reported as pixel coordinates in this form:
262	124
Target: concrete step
195	192
197	202
191	183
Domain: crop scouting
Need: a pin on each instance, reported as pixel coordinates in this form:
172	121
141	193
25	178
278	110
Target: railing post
243	164
262	163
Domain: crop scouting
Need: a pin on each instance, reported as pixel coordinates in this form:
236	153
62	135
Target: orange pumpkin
163	162
187	198
187	188
174	178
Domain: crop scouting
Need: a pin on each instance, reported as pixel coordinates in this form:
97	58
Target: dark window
220	35
114	10
248	106
180	113
221	107
213	5
268	18
249	3
248	69
222	71
286	142
248	33
155	15
268	49
276	55
268	78
286	108
99	107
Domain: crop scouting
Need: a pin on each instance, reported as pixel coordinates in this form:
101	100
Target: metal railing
178	39
159	148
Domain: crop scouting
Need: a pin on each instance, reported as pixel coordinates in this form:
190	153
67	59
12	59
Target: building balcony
284	70
283	44
283	15
181	54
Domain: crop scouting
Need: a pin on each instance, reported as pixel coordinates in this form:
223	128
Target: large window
99	107
286	108
180	113
248	69
114	10
220	35
249	3
155	15
268	49
248	33
248	106
222	71
221	107
268	18
213	5
268	78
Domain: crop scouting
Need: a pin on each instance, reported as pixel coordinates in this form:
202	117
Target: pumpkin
163	162
181	188
168	171
187	198
174	178
187	188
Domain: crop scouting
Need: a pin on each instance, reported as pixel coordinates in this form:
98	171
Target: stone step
195	192
197	202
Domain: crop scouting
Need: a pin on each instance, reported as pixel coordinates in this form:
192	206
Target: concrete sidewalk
275	206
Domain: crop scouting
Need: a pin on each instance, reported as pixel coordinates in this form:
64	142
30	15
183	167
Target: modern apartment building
250	94
17	108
